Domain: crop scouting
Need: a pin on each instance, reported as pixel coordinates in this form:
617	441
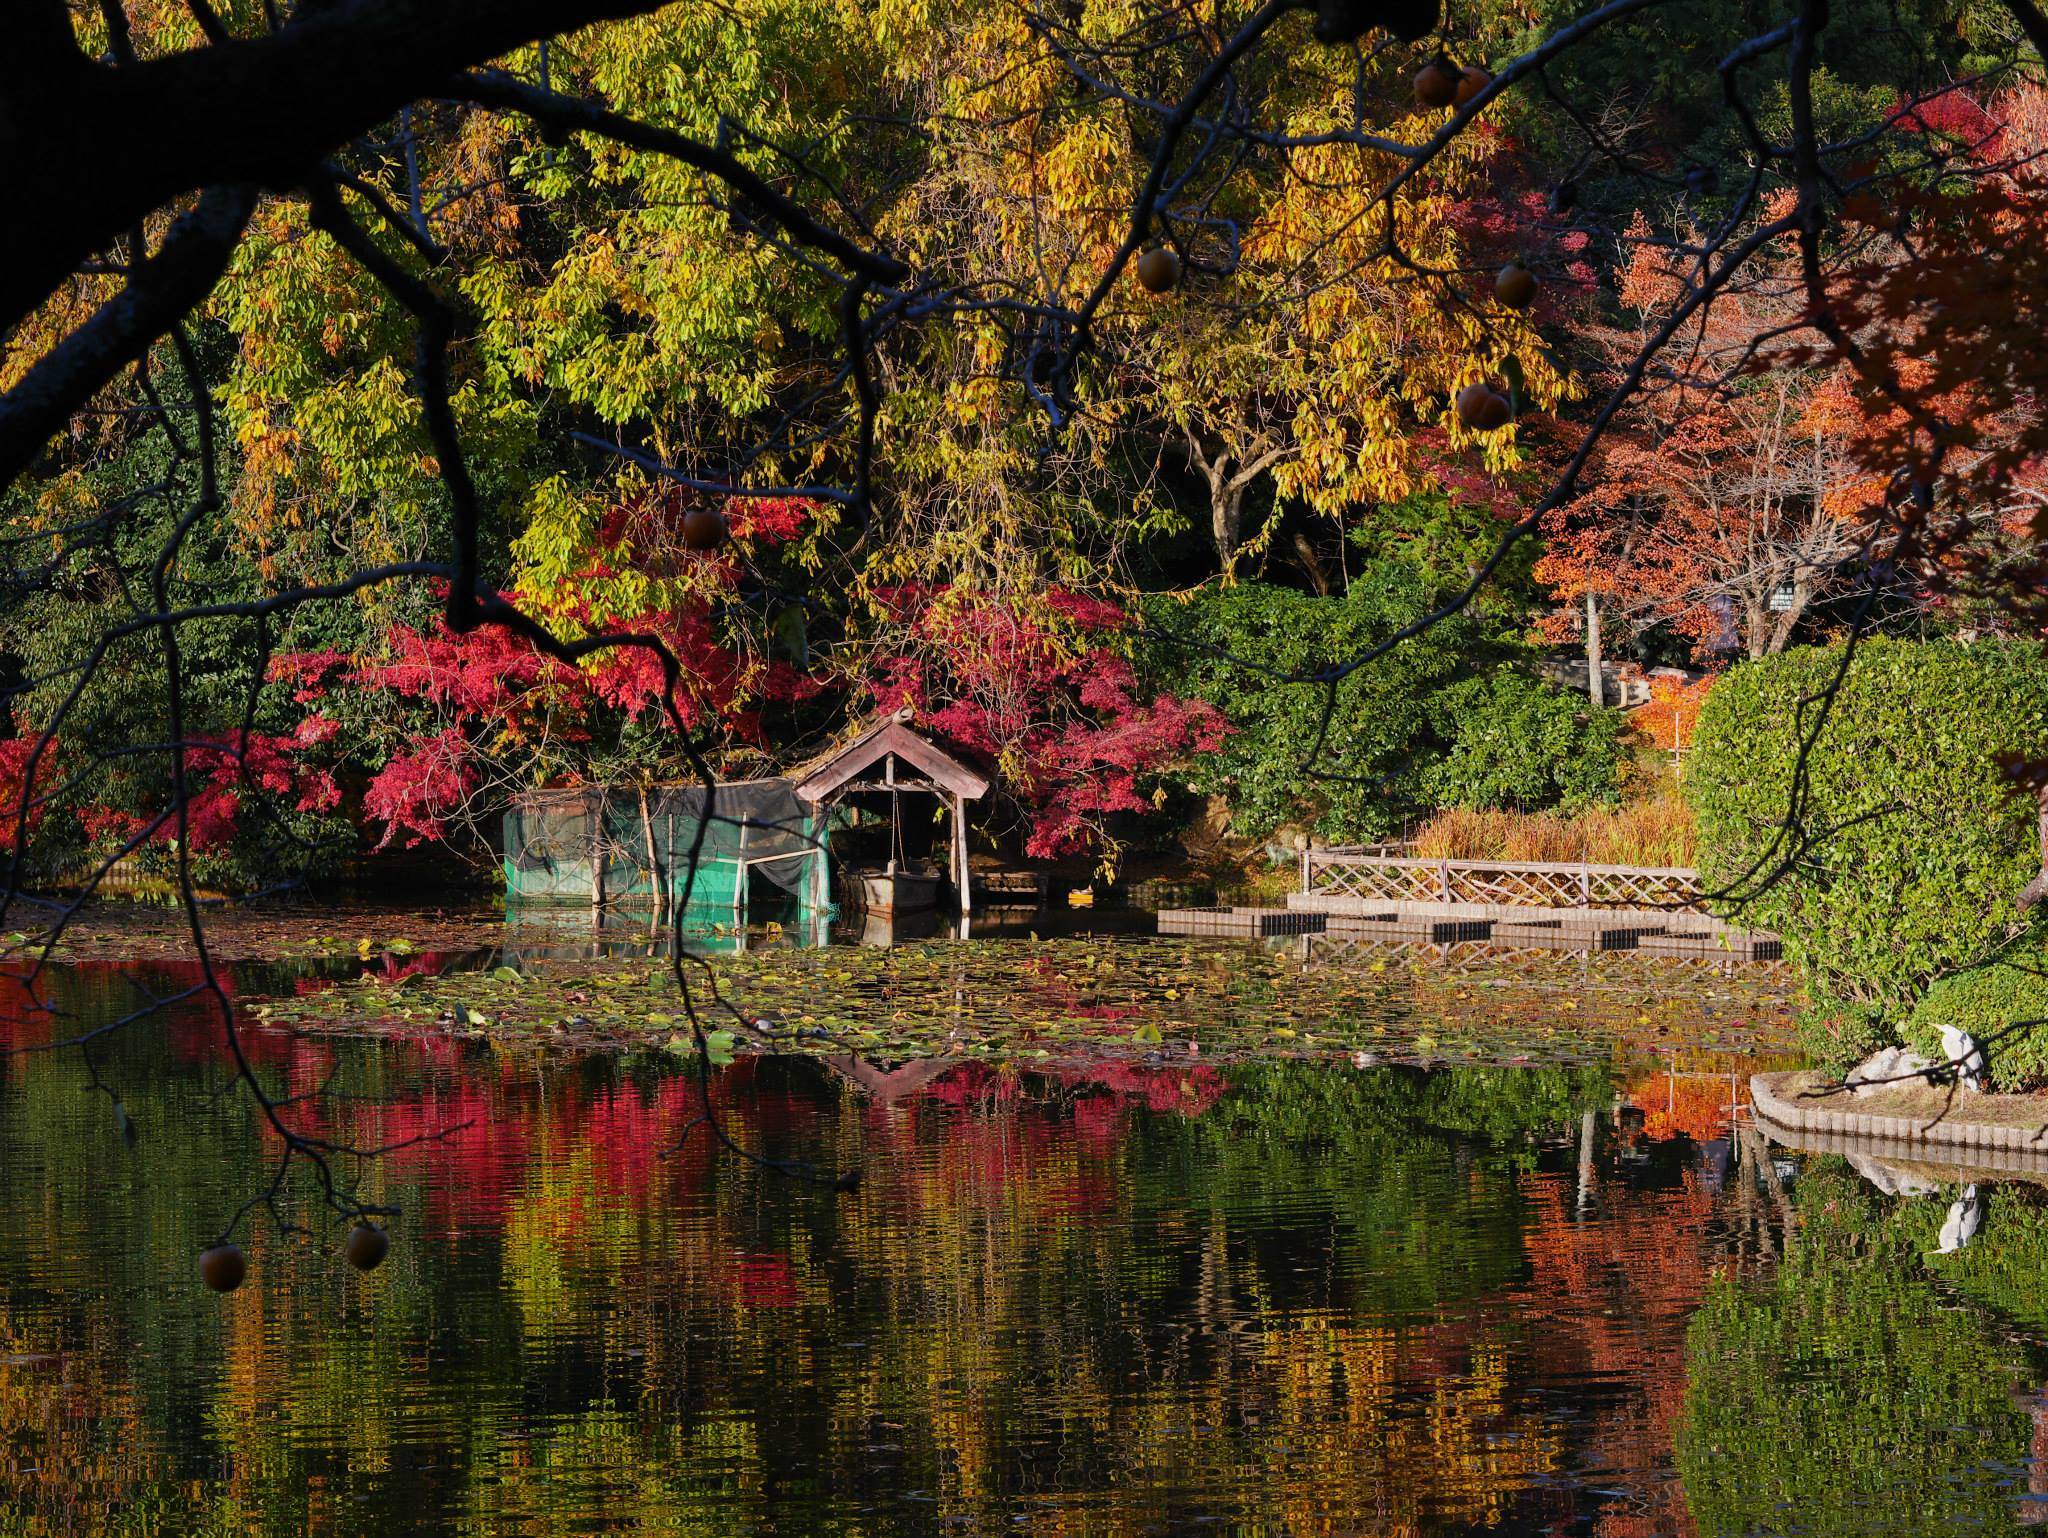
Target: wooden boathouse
668	845
886	761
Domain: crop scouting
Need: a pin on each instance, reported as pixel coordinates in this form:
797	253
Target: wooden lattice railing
1499	883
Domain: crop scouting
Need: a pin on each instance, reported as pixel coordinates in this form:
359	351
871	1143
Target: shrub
1519	742
1223	644
1999	1003
1838	1034
1908	849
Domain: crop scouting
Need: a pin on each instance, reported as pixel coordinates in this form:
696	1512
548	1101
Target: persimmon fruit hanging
1482	408
223	1267
704	529
1159	270
1515	287
366	1246
1436	84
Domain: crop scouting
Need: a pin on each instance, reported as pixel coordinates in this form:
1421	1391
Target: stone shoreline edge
1777	1098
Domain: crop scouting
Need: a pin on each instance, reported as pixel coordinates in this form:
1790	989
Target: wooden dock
1526	906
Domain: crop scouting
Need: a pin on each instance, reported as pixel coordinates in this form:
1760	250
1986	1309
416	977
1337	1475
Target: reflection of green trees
1026	1303
2007	1268
1426	1215
1850	1393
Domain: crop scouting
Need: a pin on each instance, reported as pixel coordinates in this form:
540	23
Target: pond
1148	1293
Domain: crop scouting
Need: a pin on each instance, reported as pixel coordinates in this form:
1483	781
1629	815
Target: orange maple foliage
1672	712
1727	500
1938	325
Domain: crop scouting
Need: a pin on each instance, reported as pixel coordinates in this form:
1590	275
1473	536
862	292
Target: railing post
1443	880
1585	886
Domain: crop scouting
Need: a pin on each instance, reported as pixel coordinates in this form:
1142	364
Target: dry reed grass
1655	831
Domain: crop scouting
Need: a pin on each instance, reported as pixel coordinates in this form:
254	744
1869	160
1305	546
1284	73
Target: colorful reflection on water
1132	1299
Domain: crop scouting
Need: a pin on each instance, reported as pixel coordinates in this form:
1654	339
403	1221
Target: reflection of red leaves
1689	1105
1099	1118
766	1281
472	1152
24	1019
1161	1090
390	969
1096	1093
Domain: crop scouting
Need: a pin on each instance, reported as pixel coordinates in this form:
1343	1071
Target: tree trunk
1312	564
1594	691
657	878
2038	887
1226	516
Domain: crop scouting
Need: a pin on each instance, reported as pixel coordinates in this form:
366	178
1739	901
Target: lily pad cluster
1066	998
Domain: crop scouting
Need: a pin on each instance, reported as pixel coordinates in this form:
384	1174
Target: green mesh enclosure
622	845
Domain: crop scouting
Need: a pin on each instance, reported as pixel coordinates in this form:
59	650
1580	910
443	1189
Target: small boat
896	889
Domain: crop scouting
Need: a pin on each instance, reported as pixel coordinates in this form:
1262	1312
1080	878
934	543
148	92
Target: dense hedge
1918	847
1441	719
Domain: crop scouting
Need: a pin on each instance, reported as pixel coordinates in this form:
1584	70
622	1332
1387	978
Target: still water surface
1293	1299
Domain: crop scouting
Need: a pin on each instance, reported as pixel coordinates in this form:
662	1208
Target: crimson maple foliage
1041	690
439	723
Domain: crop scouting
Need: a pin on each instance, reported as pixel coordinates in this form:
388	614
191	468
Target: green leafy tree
1440	718
1224	644
1516	741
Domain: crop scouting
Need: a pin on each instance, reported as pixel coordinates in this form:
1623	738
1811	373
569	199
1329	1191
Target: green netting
625	845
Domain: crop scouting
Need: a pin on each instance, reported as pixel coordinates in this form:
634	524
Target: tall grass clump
1657	830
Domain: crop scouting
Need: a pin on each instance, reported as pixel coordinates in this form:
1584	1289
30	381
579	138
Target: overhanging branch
160	290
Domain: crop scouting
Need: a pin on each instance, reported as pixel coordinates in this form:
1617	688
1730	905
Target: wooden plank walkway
1554	929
